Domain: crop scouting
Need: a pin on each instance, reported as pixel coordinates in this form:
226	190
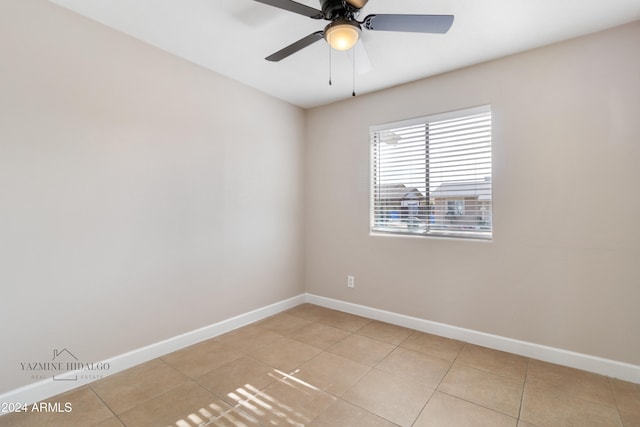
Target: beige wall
565	136
141	196
137	201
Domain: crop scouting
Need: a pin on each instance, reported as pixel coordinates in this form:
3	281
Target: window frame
482	233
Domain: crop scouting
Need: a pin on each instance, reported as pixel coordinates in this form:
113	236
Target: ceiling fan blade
294	47
294	7
357	3
439	24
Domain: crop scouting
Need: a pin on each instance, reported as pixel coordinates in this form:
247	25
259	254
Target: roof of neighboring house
399	192
477	188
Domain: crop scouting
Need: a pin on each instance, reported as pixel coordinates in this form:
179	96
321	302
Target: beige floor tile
386	332
344	414
574	382
260	410
111	422
362	349
285	402
627	396
80	407
197	360
630	420
443	348
285	354
525	424
238	374
309	312
419	367
444	410
235	417
331	373
283	323
319	335
247	339
544	406
188	403
129	388
340	320
393	398
494	361
495	392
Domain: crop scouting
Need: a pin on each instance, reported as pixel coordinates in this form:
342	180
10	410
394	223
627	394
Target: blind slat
432	176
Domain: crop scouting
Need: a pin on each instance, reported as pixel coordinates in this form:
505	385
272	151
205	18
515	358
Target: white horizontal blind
432	175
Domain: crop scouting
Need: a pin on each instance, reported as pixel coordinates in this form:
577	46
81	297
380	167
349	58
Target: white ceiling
232	37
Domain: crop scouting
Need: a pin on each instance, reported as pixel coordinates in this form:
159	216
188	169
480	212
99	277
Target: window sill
470	236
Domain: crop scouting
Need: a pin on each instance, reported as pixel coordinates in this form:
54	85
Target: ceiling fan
343	30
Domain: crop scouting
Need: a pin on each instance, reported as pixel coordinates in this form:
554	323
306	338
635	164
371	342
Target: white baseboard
611	368
47	388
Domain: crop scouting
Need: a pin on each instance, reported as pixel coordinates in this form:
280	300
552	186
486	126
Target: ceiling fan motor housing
333	9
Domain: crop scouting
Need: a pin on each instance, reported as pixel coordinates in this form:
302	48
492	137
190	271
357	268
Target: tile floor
311	366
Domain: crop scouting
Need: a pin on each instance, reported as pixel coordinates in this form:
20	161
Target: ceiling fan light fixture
357	3
342	34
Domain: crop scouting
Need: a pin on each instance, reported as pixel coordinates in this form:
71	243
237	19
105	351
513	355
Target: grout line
480	405
346	402
366	410
485	371
615	399
449	369
428	400
105	404
435	390
524	384
469	401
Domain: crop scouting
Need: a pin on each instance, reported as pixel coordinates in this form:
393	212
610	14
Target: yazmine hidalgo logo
65	366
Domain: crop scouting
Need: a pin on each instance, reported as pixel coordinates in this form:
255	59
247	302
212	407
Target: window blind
432	175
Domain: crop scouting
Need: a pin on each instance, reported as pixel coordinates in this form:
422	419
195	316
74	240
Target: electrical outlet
351	282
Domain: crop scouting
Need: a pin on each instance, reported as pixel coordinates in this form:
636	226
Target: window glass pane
432	176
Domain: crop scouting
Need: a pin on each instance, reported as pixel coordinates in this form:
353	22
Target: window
432	176
455	207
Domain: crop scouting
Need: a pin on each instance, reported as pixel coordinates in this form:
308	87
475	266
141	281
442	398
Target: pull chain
330	49
354	71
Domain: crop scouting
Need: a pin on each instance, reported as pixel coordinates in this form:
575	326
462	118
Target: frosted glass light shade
342	35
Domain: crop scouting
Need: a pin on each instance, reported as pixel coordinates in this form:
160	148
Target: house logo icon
61	353
64	356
